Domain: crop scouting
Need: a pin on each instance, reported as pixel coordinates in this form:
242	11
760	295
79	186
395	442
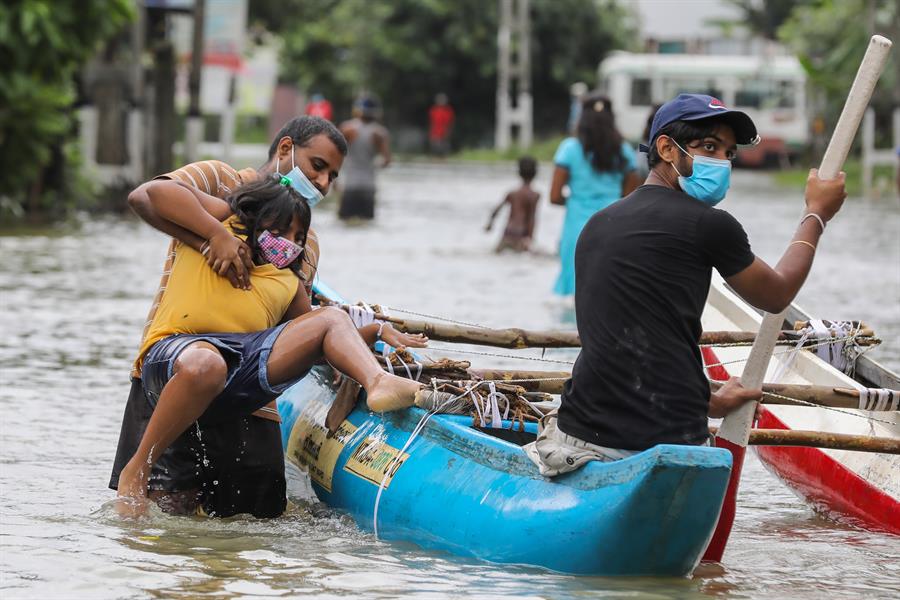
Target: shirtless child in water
522	208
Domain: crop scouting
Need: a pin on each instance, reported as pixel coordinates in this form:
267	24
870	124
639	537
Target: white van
772	90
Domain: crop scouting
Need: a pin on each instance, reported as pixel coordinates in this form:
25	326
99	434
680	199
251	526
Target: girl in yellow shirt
214	352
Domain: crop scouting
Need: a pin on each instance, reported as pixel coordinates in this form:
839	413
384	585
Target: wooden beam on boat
552	382
453	369
518	339
511	337
802	395
822	439
548	382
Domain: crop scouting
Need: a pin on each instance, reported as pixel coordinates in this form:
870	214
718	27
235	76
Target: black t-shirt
642	272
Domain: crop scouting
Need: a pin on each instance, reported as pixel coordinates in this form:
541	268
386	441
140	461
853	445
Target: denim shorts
246	355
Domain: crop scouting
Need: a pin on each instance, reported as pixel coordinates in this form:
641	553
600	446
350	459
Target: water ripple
73	306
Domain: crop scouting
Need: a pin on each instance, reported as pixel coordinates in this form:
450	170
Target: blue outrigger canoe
463	490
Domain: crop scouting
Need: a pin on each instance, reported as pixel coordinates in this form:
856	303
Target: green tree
830	37
569	39
43	44
405	51
765	17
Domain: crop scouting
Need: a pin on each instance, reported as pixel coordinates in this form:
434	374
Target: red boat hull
827	485
717	544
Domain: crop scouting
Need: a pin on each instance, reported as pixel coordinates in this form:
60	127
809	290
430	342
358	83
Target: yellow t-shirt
197	300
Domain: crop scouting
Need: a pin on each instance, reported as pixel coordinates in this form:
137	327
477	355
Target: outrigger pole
735	431
517	339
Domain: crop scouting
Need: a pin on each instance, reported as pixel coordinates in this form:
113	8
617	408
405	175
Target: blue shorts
247	386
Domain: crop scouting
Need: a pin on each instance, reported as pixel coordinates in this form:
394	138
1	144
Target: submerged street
74	305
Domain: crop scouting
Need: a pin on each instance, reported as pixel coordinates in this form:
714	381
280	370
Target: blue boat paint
475	495
472	494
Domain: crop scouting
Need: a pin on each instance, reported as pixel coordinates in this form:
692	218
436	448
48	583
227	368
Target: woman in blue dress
599	168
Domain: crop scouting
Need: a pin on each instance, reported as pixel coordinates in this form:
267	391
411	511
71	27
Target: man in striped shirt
238	466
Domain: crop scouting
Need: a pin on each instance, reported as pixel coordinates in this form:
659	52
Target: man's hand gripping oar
735	430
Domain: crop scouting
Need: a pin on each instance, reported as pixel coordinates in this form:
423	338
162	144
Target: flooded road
73	306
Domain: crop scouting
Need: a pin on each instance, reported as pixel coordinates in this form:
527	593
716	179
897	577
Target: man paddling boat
643	268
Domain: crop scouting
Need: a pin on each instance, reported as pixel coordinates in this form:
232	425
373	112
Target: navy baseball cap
693	107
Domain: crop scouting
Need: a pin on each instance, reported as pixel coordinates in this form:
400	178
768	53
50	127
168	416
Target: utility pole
160	95
513	75
194	124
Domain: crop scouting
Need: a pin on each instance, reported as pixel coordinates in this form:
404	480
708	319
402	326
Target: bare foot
391	393
132	501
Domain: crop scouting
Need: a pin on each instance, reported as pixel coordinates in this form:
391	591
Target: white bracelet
380	327
816	217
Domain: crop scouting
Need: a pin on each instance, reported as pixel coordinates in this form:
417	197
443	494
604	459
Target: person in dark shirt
643	267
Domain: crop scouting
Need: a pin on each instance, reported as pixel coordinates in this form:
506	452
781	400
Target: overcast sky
681	18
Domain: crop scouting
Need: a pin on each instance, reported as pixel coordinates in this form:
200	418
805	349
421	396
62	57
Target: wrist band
810	244
816	217
204	249
380	327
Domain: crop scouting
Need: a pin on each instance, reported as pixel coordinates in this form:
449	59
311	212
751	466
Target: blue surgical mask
302	184
709	181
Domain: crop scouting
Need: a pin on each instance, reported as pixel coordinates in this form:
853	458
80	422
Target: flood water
72	309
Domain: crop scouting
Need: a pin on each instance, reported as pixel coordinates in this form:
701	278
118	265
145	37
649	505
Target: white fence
872	156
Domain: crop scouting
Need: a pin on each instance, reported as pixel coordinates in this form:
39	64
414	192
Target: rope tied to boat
842	352
502	355
487	407
361	314
870	342
389	354
420	426
381	309
868	417
835	342
871	399
436	317
788	352
493	398
878	399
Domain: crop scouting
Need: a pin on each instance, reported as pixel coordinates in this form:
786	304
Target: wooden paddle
735	431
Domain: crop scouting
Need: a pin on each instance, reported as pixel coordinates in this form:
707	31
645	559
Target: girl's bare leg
199	376
329	332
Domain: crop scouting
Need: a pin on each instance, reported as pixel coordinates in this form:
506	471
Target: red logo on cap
716	103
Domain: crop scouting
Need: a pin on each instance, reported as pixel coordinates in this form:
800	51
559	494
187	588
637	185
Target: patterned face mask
279	251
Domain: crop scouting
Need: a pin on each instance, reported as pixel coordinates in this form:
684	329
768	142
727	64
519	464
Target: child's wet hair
527	168
267	204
